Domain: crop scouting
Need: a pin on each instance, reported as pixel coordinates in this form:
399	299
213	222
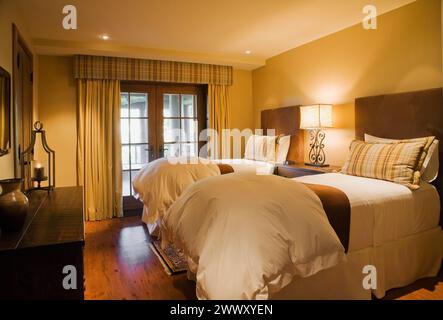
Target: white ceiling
194	30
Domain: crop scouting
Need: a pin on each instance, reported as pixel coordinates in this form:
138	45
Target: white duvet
161	182
246	235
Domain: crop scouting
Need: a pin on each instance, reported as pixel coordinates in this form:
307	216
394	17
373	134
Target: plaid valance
115	68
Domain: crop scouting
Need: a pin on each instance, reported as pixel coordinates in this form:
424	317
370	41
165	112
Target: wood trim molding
18	40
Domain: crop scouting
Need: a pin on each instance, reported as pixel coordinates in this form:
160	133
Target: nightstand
301	169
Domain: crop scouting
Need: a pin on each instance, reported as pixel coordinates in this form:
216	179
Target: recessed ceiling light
104	37
248	52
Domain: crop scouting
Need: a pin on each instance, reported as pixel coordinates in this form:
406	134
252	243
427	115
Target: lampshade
316	116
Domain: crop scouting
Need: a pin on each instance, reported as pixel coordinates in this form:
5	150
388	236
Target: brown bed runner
225	168
338	209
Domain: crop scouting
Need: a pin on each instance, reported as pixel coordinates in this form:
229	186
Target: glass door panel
171	105
180	125
134	122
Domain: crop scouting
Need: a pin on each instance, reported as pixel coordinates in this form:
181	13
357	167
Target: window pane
172	150
126	184
124	130
171	130
188	109
189	127
139	130
171	105
188	149
124	104
139	105
139	156
203	152
125	157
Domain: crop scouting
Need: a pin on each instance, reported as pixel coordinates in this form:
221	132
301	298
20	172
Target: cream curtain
219	117
99	148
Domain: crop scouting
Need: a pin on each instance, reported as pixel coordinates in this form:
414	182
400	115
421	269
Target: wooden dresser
32	260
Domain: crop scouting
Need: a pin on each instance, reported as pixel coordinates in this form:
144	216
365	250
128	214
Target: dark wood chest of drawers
32	261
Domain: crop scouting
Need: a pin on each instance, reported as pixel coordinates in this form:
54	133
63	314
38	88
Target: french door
159	120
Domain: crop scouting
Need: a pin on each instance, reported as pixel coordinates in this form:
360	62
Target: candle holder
39	180
38	174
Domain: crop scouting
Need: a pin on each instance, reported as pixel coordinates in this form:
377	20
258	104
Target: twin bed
242	242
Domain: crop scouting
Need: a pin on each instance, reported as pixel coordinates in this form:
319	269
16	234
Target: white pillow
249	148
255	148
429	171
261	148
283	144
271	147
431	164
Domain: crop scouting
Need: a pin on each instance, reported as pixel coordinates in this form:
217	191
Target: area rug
172	259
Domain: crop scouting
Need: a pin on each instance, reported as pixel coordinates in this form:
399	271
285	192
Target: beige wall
58	113
9	15
242	112
57	110
404	53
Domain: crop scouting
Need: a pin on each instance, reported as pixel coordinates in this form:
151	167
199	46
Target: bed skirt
153	228
398	264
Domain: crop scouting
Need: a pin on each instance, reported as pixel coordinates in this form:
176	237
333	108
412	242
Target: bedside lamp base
317	155
317	165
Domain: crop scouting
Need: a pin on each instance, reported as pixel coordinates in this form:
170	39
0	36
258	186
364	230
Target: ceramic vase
13	205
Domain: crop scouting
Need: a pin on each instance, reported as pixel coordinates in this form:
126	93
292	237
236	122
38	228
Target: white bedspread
160	183
248	166
383	211
248	235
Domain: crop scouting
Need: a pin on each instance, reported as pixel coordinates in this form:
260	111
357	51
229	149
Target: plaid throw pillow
397	162
428	141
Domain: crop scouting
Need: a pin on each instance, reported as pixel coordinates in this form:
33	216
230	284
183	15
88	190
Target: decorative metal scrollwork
317	155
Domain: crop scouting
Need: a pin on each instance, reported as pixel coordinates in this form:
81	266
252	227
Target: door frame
18	40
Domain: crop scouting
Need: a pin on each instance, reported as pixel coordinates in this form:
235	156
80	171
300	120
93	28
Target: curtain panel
219	119
99	168
116	68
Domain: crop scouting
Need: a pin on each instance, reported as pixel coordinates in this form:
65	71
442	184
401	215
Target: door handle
162	150
150	149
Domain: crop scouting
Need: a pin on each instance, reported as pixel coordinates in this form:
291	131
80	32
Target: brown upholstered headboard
402	116
286	121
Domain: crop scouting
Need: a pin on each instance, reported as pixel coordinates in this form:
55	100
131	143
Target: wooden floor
120	265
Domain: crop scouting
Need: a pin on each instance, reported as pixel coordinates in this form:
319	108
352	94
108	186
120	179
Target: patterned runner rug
172	259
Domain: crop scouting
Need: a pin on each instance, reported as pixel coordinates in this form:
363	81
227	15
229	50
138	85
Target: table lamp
314	118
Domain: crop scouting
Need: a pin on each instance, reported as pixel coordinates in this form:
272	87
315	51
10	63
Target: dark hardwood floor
120	265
